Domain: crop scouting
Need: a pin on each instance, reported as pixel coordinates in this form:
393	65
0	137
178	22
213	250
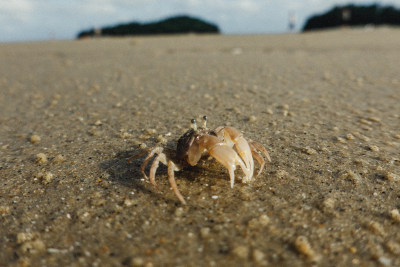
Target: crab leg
259	159
172	182
137	155
244	151
259	147
256	150
153	169
146	161
154	166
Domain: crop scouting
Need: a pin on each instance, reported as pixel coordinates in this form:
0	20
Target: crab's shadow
119	170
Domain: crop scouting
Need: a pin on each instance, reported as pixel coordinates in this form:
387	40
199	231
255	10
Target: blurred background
38	20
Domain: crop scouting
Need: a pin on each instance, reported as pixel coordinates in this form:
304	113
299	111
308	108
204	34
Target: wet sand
324	104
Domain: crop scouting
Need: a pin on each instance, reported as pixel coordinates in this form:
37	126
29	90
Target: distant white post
292	21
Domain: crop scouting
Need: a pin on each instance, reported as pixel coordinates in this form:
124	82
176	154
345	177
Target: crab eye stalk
204	122
193	124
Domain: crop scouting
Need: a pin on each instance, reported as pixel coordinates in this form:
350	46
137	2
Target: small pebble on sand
137	261
118	105
24	237
264	220
376	228
126	135
393	247
391	177
303	247
161	139
258	256
142	146
33	247
354	177
151	131
237	110
128	202
241	251
4	210
44	177
365	122
350	136
35	139
41	158
30	243
373	148
384	261
207	96
205	232
179	212
364	138
328	203
58	159
374	119
309	151
395	215
47	178
282	174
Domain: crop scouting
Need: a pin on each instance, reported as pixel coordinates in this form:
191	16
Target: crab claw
234	138
223	153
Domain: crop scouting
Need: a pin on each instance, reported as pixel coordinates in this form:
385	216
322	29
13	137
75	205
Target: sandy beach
324	104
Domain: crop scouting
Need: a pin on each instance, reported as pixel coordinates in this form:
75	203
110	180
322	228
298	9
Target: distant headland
172	25
354	15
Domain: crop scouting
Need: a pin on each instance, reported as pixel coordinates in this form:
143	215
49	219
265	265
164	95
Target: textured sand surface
325	105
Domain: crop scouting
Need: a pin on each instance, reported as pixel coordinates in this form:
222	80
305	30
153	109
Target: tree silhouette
173	25
352	15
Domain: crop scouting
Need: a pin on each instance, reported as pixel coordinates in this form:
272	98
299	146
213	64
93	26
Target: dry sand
325	105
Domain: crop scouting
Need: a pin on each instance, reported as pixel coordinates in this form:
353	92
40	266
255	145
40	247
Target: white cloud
17	10
16	6
250	6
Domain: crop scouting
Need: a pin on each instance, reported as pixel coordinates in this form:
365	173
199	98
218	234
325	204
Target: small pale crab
224	143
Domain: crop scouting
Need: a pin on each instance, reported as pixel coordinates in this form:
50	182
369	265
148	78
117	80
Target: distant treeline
354	15
174	25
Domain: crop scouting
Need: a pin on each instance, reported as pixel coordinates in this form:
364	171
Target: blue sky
34	20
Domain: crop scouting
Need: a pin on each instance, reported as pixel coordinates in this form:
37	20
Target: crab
224	143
